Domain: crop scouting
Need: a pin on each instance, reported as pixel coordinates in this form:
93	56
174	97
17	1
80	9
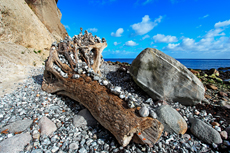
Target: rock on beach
171	119
165	78
15	144
84	118
204	132
18	126
47	126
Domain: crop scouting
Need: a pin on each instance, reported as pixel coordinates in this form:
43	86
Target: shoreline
189	63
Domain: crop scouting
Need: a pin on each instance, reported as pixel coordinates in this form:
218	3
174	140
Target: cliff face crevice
27	31
49	14
34	25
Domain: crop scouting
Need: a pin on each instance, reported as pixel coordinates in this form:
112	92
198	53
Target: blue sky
198	29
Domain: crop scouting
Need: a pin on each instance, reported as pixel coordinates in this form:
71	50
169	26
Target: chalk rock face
165	78
49	14
20	25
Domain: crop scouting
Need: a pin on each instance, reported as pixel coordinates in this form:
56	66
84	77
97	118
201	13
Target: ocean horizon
202	64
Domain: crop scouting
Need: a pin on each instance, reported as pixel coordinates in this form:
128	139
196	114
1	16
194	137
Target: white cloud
145	37
205	16
67	27
164	39
92	29
116	43
118	32
145	25
222	24
131	43
213	41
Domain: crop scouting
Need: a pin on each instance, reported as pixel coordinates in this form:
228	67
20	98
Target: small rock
166	134
204	132
215	124
210	86
149	101
208	96
171	119
82	150
122	96
117	90
224	134
76	76
47	126
36	151
153	114
105	82
144	111
214	145
79	71
187	137
217	128
84	118
196	112
227	143
223	94
15	144
54	149
18	126
96	78
36	136
73	146
131	104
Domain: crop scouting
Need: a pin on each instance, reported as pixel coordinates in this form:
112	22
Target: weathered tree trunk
108	109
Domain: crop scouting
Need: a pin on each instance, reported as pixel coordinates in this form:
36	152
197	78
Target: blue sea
202	64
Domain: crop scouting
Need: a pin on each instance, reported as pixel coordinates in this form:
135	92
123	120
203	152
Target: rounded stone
171	119
144	111
105	82
224	134
153	114
73	146
204	132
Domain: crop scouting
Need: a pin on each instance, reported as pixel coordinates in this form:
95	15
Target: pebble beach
34	121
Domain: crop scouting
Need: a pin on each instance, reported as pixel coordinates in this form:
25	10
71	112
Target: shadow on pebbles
32	120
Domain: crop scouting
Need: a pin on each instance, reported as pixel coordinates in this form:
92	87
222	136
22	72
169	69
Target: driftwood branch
108	109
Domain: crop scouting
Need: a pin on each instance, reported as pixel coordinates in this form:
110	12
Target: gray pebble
144	111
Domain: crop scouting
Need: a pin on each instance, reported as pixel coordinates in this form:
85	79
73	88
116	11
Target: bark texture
108	109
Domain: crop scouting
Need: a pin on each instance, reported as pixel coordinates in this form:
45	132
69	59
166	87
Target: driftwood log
108	109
